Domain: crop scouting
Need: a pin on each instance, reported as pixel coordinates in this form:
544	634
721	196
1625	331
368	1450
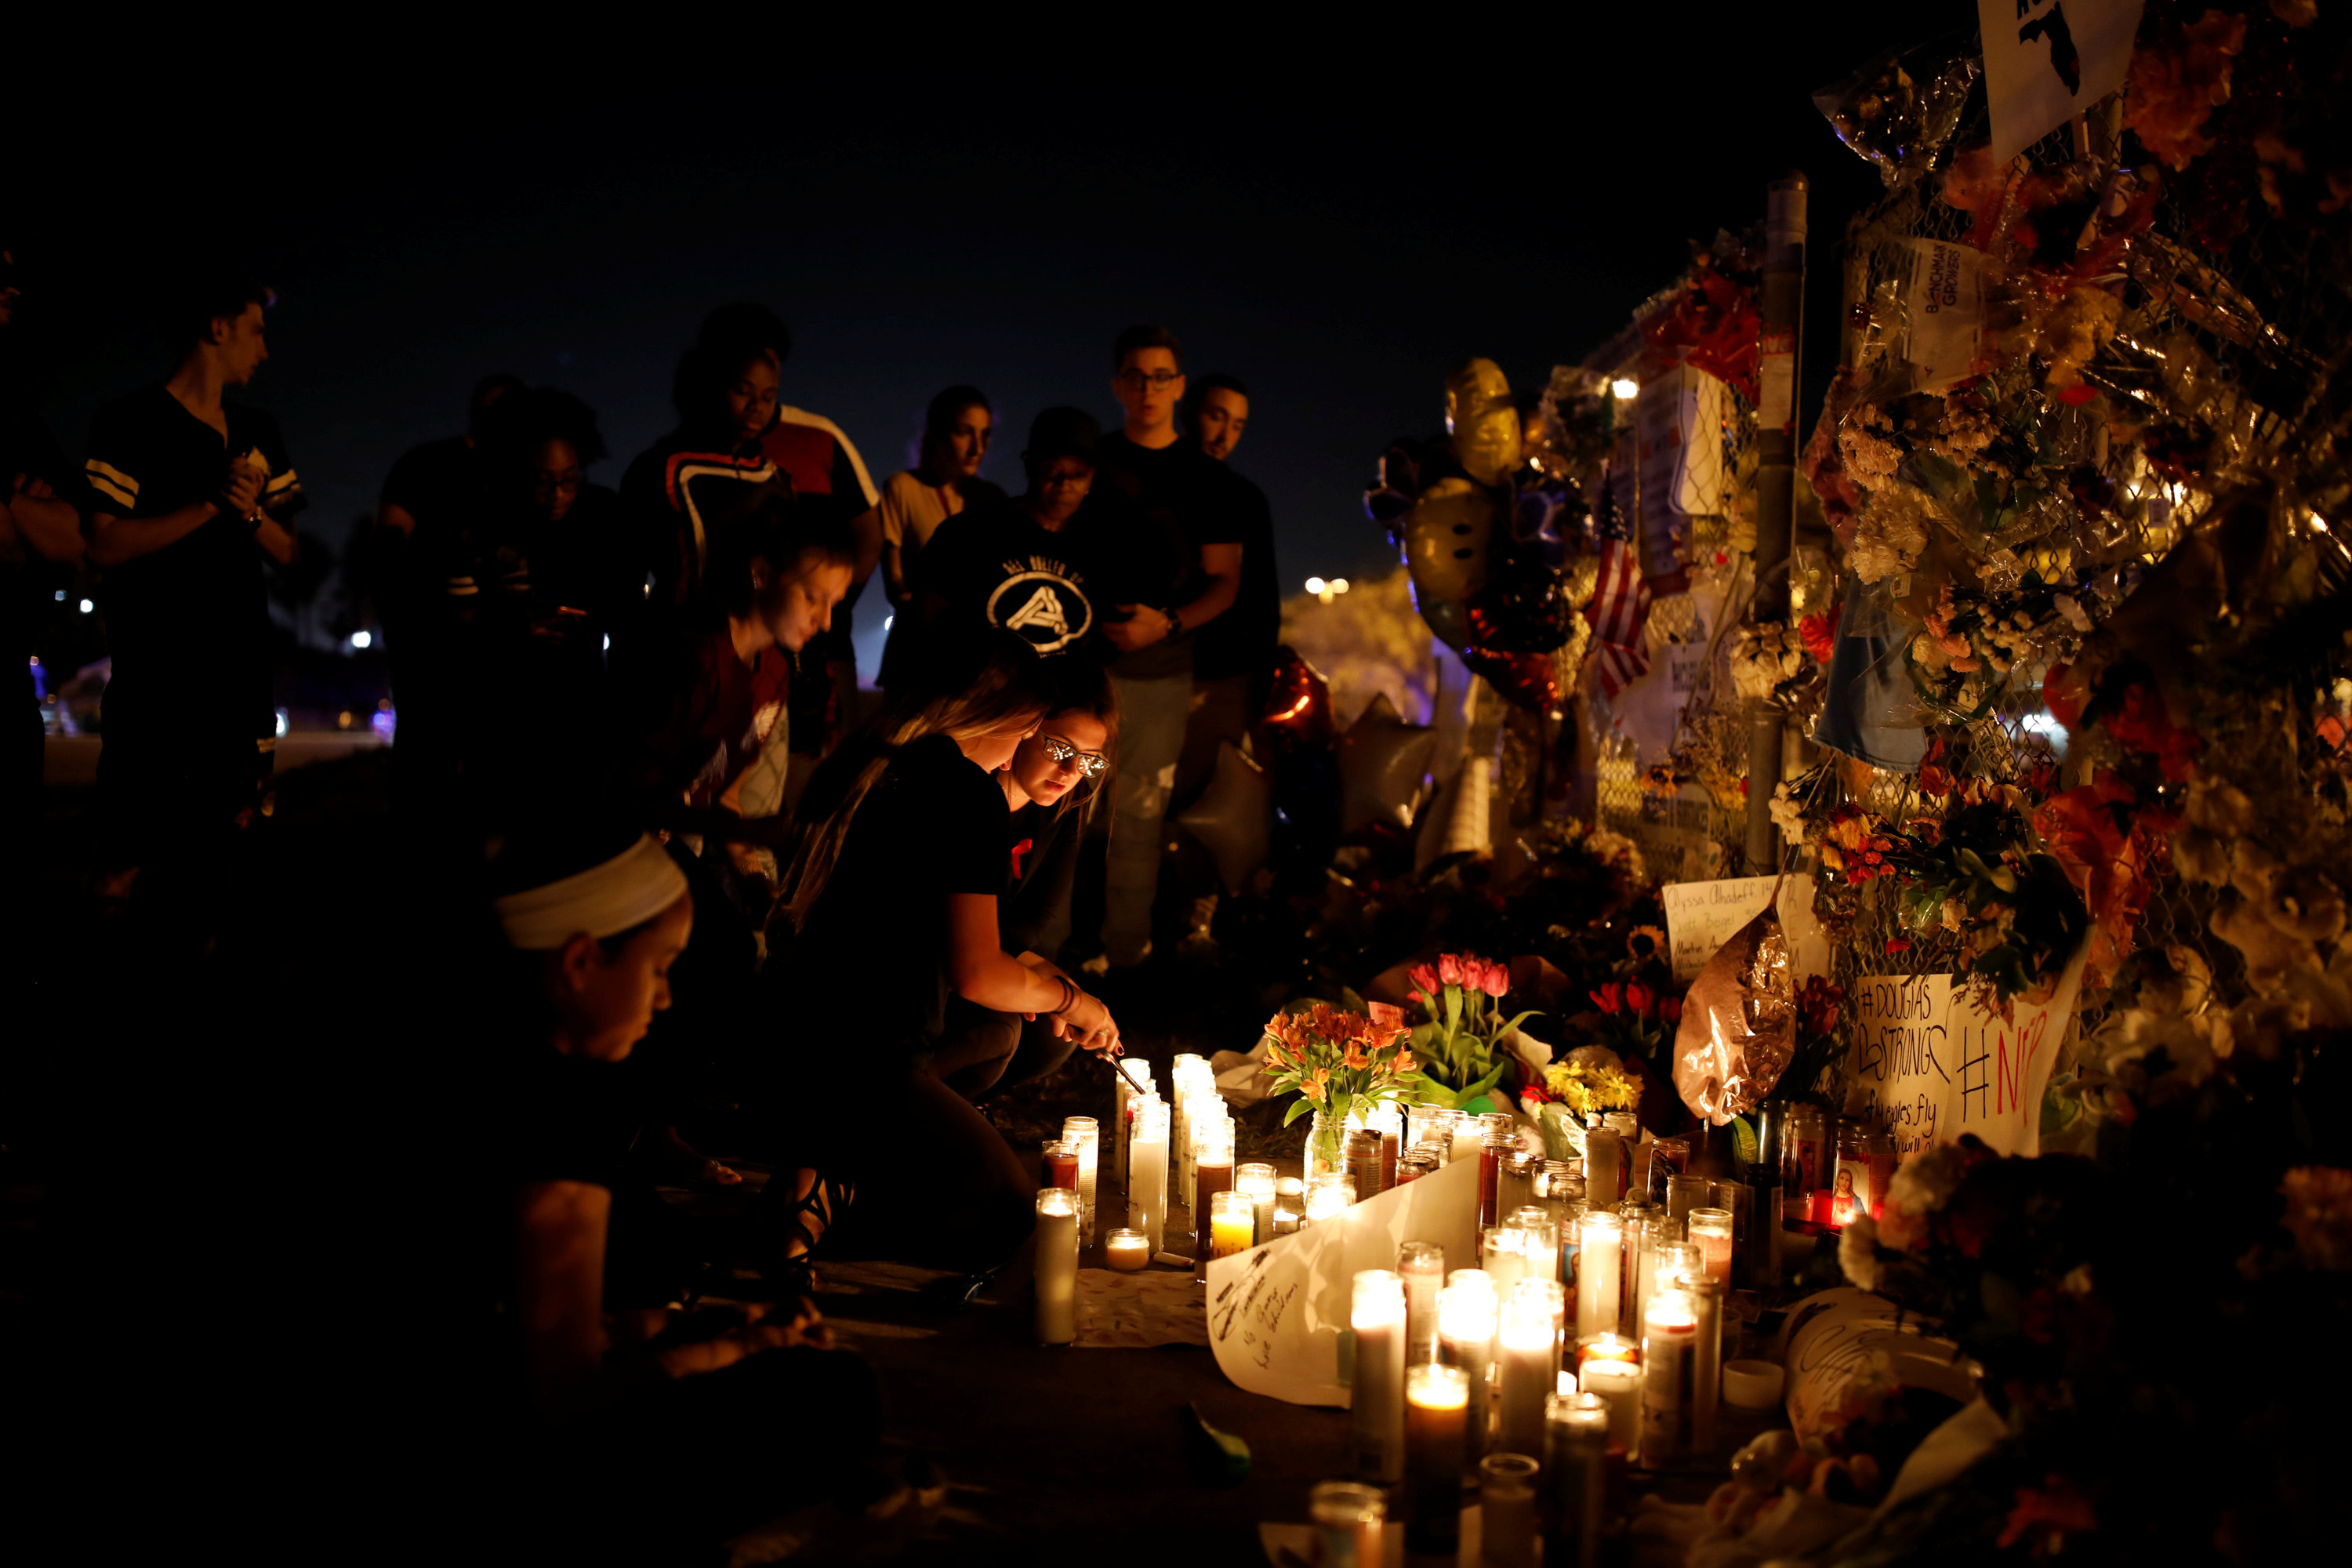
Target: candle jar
1557	1180
1604	1167
1496	1145
1086	1135
1685	1193
1669	1158
1436	1418
1642	1222
1524	1373
1802	1159
1711	1230
1128	1251
1506	1504
1057	1164
1422	1267
1232	1221
1328	1197
1539	1240
1518	1188
1849	1178
1388	1122
1349	1521
1575	1479
1600	1257
1591	1348
1669	1378
1619	1383
1257	1181
1213	1172
1502	1254
1706	1294
1364	1162
1464	1137
1147	1173
1376	1392
1415	1163
1879	1152
1467	1311
1057	1266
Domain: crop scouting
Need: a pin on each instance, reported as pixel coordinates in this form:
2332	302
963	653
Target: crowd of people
720	891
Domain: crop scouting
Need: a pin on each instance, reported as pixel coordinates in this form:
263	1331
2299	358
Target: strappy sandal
803	1221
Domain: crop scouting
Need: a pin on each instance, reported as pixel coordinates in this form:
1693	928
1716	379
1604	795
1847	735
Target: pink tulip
1450	969
1425	978
1497	984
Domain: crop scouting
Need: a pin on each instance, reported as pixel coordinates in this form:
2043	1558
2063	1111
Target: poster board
1931	1065
1702	916
2048	60
1276	1312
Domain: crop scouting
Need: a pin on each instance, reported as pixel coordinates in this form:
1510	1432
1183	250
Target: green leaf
1473	1090
1298	1108
1349	1000
1743	1141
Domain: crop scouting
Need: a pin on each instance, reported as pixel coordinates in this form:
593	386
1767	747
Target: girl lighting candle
1436	1439
1376	1396
1057	1266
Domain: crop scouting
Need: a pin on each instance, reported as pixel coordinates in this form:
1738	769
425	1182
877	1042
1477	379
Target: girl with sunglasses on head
894	896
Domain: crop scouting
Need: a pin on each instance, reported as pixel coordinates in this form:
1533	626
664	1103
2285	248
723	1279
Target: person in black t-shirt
1021	566
895	895
189	496
1232	660
1050	787
1174	515
40	533
658	1434
421	563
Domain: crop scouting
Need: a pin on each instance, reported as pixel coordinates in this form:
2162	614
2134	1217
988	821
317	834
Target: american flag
1620	609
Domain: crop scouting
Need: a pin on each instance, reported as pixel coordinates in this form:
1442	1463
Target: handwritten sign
2048	60
1932	1065
1702	916
1837	1339
1276	1312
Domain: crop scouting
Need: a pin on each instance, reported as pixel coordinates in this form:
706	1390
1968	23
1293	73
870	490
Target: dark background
1338	222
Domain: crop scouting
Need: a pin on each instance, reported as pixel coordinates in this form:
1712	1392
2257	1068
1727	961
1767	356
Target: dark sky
1338	227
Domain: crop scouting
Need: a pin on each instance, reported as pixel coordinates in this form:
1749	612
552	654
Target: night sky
1336	227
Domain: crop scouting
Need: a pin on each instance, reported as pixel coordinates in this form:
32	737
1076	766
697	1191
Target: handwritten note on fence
1702	916
1932	1065
1276	1312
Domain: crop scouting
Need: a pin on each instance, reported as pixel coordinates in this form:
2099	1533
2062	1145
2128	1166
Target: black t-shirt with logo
188	624
994	567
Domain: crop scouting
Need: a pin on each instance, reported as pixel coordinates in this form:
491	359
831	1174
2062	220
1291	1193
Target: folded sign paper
1932	1065
1276	1312
1701	917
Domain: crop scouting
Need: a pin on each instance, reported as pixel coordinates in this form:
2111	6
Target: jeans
1151	718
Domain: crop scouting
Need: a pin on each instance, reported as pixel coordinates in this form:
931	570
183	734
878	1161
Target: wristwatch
1175	622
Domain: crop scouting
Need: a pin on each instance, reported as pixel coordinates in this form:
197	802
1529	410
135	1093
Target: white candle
1057	1266
1524	1364
1147	1173
1134	1083
1502	1252
1329	1198
1466	1339
1257	1181
1705	1295
1421	1264
1127	1250
1669	1378
1711	1231
1084	1132
1601	1245
1619	1383
1469	1137
1376	1397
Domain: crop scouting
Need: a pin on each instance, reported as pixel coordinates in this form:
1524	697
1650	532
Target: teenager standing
1233	661
946	482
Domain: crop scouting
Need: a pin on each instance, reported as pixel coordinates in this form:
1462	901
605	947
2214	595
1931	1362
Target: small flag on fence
1620	610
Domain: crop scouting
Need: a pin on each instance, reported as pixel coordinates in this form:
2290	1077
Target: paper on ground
1276	1312
1702	916
1136	1311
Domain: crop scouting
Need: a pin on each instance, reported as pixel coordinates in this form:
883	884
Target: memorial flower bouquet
1340	1061
1459	1044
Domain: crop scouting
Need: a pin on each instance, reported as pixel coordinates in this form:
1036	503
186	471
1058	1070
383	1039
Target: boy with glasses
1179	543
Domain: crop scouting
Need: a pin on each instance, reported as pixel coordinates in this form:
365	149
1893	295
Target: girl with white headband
595	944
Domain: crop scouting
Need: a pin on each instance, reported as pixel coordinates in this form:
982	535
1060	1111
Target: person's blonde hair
1010	693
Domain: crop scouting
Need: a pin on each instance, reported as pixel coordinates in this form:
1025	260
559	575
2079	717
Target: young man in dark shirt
1021	565
40	531
1174	520
1233	660
189	496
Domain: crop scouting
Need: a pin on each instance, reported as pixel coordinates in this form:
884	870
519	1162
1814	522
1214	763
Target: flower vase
1327	1140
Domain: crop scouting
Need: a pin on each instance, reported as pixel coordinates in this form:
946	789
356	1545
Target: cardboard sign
1702	916
1931	1065
2048	60
1276	1312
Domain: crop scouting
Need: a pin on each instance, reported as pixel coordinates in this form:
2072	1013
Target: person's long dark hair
940	417
1082	685
1011	693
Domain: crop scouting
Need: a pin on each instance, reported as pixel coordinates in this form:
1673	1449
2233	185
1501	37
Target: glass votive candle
1619	1383
1415	1163
1290	1194
1679	1262
1711	1233
1232	1221
1329	1198
1506	1504
1437	1450
1685	1193
1349	1518
1057	1164
1606	1347
1128	1251
1057	1266
1257	1181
